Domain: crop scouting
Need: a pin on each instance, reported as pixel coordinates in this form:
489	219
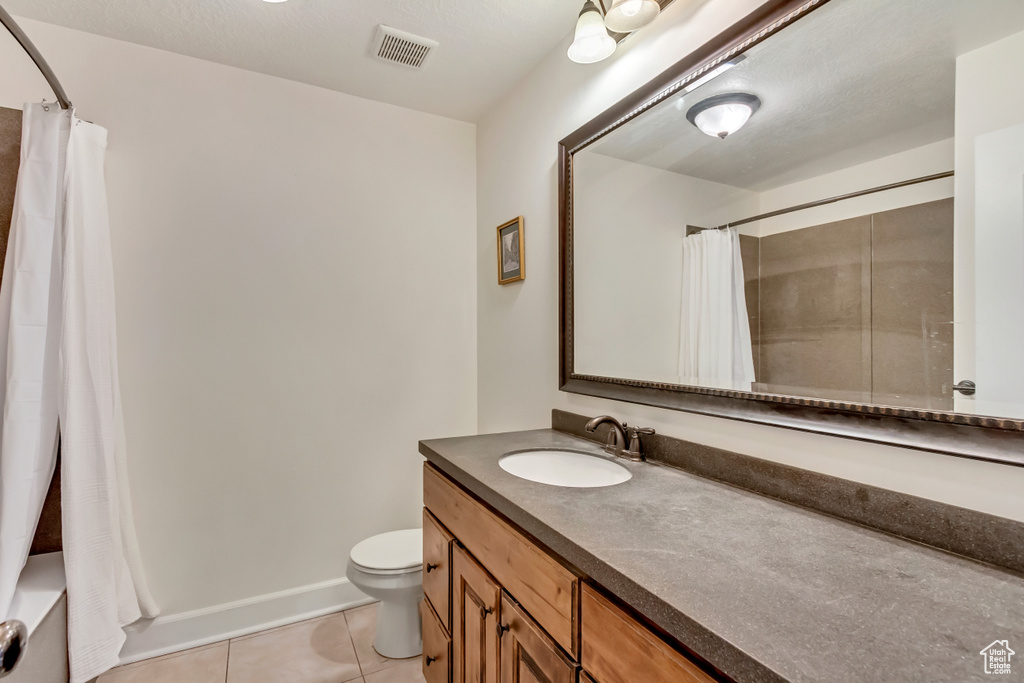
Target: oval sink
564	468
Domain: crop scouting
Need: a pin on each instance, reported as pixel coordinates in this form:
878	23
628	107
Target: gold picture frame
511	252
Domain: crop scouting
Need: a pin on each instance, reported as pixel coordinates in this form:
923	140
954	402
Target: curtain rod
30	48
833	200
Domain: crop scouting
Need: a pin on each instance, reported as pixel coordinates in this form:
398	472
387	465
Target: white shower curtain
30	316
714	328
106	586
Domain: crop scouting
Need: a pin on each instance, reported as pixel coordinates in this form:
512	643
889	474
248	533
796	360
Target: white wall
518	327
915	163
984	76
630	220
296	308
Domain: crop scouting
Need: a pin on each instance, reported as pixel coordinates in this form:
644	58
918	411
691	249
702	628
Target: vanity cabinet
519	613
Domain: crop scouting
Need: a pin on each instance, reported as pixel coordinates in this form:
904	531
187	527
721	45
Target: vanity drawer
619	649
437	567
437	647
545	588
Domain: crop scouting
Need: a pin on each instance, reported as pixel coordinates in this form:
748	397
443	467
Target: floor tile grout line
352	639
227	662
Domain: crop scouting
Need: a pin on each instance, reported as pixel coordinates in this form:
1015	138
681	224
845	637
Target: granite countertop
763	590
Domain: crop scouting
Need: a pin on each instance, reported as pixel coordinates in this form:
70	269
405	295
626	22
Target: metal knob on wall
966	387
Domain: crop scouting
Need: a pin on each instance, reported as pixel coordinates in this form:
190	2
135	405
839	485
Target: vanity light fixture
626	16
723	115
591	42
275	2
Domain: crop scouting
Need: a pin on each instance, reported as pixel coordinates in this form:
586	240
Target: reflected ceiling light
591	42
714	73
626	16
723	115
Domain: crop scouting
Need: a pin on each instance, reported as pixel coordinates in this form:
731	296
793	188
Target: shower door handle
13	637
966	387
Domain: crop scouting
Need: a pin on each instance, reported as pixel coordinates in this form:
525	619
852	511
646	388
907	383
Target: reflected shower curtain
106	586
714	328
30	319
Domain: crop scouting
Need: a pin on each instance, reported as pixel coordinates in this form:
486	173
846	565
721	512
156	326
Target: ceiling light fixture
723	115
626	16
591	42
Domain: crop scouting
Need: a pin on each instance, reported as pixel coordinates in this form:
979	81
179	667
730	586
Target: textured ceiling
853	81
486	46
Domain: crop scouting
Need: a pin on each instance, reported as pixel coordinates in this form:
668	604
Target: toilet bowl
389	567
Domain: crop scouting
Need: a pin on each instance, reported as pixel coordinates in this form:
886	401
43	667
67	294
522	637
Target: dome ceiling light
723	115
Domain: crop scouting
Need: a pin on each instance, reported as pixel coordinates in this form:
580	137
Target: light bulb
591	42
626	16
630	8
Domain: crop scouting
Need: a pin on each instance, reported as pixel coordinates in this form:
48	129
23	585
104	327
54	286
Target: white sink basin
564	468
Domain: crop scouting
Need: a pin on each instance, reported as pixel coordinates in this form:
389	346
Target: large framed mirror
814	221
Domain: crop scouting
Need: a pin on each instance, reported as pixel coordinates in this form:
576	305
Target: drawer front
437	568
544	587
527	654
619	649
437	647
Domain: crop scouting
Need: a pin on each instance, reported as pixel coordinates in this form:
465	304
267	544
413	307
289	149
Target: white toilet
389	567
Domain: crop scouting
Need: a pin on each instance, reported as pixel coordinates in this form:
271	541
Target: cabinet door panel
437	572
476	600
437	647
528	655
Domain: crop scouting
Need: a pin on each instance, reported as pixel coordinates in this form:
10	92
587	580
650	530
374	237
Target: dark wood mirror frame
959	434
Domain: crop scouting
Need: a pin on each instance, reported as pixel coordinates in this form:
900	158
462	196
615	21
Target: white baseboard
175	632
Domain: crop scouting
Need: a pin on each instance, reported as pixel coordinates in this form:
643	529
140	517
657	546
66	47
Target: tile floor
332	649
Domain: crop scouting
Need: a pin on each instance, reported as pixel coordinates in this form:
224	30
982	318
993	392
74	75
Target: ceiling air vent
399	47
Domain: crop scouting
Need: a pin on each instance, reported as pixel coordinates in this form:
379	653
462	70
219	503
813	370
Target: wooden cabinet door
437	567
528	655
437	647
476	600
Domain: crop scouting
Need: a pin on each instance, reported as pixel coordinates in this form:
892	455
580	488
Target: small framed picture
510	252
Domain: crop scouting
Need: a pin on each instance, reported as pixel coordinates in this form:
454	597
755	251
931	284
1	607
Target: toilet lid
393	550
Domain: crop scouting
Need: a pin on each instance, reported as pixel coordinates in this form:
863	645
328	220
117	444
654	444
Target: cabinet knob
431	567
502	628
429	660
484	611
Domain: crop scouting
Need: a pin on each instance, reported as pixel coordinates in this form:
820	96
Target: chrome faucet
617	437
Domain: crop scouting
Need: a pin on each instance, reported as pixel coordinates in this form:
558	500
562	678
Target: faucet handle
636	451
638	430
